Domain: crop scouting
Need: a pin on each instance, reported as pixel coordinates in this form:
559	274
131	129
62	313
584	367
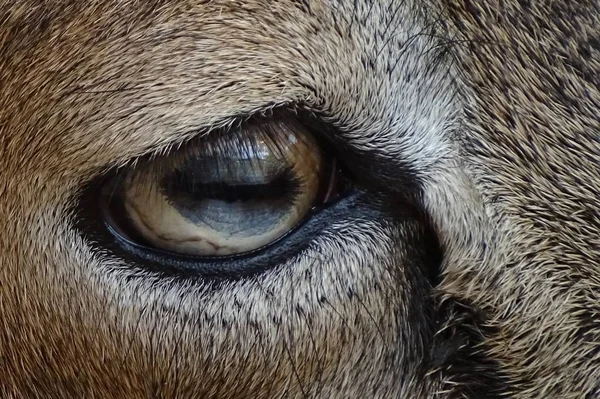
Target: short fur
471	270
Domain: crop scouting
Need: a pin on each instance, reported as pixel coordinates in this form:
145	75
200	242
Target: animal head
269	199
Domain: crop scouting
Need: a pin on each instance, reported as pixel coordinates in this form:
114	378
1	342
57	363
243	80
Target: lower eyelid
235	267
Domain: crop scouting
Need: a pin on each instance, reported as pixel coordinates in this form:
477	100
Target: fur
467	268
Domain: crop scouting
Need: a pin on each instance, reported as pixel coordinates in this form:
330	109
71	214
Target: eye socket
230	193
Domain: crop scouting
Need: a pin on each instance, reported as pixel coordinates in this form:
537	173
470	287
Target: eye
231	192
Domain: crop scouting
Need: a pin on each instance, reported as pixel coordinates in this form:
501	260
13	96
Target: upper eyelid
176	141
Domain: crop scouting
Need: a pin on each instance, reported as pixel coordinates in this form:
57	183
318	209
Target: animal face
273	199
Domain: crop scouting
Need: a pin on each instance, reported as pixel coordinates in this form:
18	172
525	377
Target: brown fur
481	115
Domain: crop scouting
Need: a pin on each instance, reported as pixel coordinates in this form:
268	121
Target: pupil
187	185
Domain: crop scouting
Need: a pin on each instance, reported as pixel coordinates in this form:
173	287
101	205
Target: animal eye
231	192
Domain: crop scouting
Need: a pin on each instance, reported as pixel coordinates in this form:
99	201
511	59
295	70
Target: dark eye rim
93	227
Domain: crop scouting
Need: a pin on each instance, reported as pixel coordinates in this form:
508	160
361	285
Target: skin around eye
229	194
